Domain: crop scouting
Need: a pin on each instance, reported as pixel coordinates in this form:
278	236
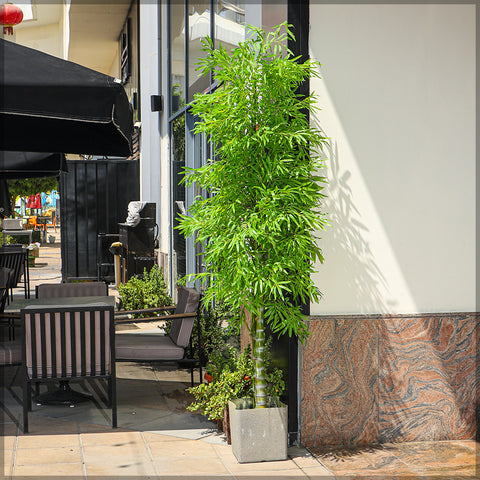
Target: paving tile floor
47	267
158	438
459	459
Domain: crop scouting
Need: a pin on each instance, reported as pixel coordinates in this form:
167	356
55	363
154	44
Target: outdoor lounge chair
174	347
63	343
10	356
57	290
15	257
6	319
10	351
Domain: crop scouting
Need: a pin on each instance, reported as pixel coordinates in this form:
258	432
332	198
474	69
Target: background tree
29	186
258	224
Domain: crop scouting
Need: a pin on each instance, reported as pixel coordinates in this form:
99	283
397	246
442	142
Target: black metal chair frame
103	255
40	316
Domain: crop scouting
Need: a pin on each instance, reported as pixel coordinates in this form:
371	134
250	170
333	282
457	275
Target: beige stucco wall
398	103
45	28
46	38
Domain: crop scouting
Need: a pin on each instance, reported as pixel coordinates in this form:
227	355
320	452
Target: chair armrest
13	316
145	310
153	319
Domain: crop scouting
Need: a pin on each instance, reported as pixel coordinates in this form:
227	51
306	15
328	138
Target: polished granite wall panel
427	378
339	383
410	378
467	385
477	378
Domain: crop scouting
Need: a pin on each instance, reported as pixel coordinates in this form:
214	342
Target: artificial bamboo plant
258	224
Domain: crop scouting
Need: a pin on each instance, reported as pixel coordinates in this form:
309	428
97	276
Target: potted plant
257	224
231	377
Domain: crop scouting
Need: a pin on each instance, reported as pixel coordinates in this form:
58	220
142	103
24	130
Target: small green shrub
220	360
147	292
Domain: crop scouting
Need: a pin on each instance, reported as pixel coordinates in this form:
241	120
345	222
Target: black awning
49	104
31	164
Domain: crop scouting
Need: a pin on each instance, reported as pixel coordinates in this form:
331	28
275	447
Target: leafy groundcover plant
257	224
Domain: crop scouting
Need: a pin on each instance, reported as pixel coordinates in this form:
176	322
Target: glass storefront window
177	59
229	23
191	21
177	135
273	14
199	19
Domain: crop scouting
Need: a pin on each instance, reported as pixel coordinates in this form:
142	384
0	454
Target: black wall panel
94	197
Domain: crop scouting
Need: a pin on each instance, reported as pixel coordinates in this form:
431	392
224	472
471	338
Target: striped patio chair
66	343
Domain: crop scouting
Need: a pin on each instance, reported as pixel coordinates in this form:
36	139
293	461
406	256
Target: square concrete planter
259	434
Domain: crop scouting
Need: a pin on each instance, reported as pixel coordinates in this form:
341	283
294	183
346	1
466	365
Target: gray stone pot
259	434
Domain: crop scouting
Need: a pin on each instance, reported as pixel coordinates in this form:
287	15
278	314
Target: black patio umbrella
53	105
31	164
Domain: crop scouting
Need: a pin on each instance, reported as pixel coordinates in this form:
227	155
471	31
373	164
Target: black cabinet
138	242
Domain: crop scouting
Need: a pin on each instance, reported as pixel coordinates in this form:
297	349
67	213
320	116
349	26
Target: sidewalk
157	437
48	265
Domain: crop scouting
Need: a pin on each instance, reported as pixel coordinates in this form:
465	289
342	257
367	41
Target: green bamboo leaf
258	227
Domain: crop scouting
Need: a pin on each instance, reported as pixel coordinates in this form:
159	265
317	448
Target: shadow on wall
353	272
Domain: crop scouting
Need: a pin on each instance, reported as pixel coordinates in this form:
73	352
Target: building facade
394	351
